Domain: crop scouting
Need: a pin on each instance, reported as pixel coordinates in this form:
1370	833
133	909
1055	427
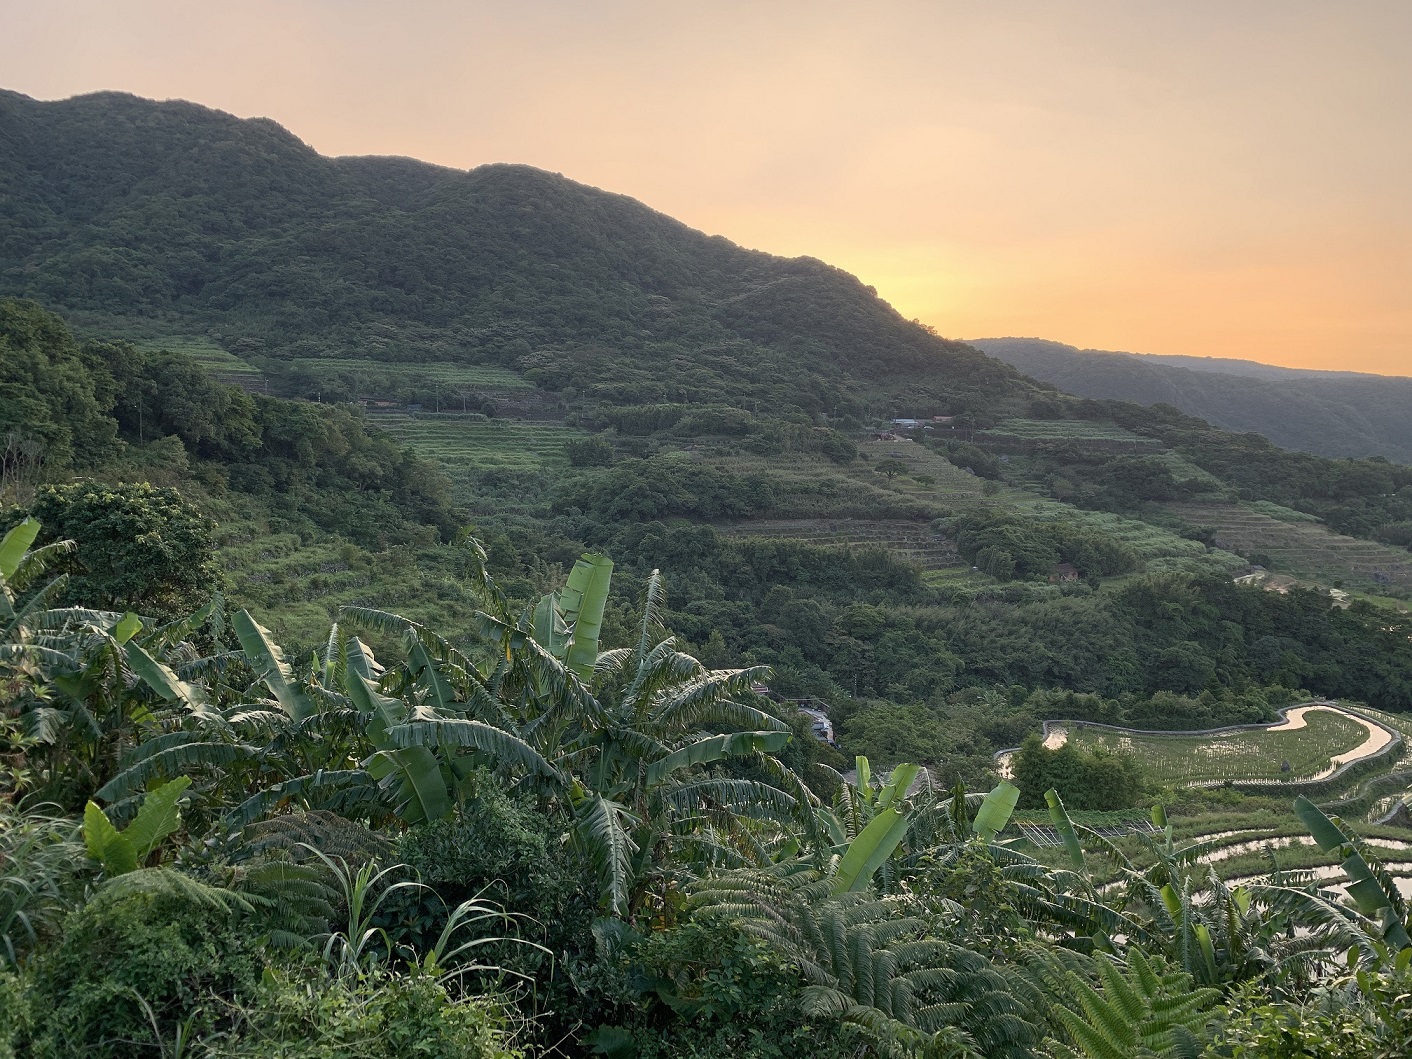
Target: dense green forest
858	628
329	729
1330	413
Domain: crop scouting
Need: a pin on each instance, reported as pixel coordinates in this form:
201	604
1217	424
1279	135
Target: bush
154	935
509	851
1098	780
377	1016
710	991
139	547
596	451
1372	1022
14	1013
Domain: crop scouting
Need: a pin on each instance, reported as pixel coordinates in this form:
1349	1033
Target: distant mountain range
1330	413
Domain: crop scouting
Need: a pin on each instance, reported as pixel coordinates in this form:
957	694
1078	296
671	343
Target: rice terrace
1312	742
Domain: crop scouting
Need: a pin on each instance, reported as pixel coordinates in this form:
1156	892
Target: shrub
377	1016
152	935
709	991
596	451
508	850
14	1013
1085	780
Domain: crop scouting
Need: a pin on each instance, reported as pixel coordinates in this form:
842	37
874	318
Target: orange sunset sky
1225	178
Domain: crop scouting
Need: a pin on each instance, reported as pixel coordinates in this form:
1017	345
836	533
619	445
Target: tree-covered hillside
122	207
1328	413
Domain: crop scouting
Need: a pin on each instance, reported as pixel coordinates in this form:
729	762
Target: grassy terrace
1063	430
212	357
1245	755
467	445
449	374
1160	549
1300	547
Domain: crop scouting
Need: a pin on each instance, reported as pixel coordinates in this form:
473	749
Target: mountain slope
1327	413
119	207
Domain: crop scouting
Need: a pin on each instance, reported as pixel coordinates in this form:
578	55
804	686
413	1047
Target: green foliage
15	1015
867	962
513	855
596	451
709	990
1142	1012
1084	779
139	547
180	948
1365	1018
300	1014
1005	546
1372	890
40	866
122	851
48	391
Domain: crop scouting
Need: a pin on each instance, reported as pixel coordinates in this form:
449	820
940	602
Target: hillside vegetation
410	581
120	207
1331	413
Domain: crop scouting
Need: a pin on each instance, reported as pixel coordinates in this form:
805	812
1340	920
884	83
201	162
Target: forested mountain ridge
118	207
1331	413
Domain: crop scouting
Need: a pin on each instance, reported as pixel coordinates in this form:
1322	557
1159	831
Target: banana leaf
14	545
158	816
714	748
162	680
267	659
105	843
582	600
899	782
550	630
127	628
419	788
1364	887
995	810
1065	827
867	852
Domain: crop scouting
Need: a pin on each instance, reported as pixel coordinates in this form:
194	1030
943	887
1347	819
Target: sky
1226	178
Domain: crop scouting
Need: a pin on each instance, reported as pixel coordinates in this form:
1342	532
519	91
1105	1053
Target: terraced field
1160	549
297	587
453	376
917	542
1065	430
1305	549
221	363
467	445
1309	749
949	482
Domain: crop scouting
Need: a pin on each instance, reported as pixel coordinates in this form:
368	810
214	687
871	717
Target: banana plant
568	622
893	819
1374	892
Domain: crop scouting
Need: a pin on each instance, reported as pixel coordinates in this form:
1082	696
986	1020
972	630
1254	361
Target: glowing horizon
1206	180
